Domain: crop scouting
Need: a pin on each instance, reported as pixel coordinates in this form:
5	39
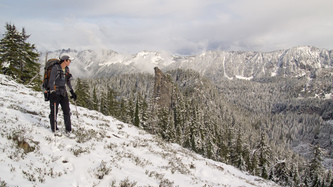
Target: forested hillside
268	126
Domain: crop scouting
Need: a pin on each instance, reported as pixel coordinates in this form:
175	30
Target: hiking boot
56	129
57	133
69	134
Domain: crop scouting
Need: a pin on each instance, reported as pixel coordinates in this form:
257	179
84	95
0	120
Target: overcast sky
178	26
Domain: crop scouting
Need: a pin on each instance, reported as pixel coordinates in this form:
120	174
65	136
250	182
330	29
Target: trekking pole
77	114
55	122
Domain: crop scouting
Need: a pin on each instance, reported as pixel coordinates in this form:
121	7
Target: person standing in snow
59	78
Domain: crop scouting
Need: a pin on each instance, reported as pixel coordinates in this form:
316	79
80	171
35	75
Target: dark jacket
59	79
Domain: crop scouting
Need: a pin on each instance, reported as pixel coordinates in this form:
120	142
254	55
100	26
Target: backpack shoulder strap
67	70
59	71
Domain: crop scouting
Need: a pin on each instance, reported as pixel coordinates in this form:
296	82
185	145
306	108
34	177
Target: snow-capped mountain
105	152
247	65
217	65
107	62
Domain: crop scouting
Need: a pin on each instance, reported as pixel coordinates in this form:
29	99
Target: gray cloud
185	27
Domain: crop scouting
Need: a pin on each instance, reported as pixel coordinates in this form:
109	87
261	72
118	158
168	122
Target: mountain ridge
216	65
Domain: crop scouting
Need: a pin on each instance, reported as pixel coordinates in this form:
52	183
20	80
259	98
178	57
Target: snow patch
244	78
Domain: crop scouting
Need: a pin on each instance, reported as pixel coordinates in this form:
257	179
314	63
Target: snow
244	78
329	96
6	64
106	152
224	72
273	74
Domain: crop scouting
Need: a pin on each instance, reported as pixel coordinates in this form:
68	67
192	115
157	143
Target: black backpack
47	71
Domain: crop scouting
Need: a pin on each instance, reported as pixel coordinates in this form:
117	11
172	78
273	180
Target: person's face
68	62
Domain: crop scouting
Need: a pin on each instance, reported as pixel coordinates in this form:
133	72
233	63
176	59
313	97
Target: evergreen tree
254	169
82	92
144	111
194	128
165	127
281	173
179	120
187	134
122	111
131	109
294	174
315	166
136	114
18	58
103	107
112	104
264	155
237	157
95	100
328	178
229	136
247	157
306	181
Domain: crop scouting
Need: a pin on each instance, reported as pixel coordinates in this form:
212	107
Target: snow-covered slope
106	152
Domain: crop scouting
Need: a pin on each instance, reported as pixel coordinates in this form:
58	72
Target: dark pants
63	101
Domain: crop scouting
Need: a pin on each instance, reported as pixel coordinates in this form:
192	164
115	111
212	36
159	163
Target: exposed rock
163	89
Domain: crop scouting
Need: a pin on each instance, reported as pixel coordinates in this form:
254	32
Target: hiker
59	77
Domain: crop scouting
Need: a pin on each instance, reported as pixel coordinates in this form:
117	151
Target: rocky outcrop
164	90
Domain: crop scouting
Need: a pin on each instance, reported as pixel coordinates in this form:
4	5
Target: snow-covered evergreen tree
316	170
103	108
294	174
281	173
238	153
83	95
136	114
264	154
111	102
18	58
95	100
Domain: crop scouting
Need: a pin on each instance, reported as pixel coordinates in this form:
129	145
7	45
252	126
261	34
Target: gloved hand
53	96
73	95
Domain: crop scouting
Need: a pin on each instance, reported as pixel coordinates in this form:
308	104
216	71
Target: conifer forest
259	126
